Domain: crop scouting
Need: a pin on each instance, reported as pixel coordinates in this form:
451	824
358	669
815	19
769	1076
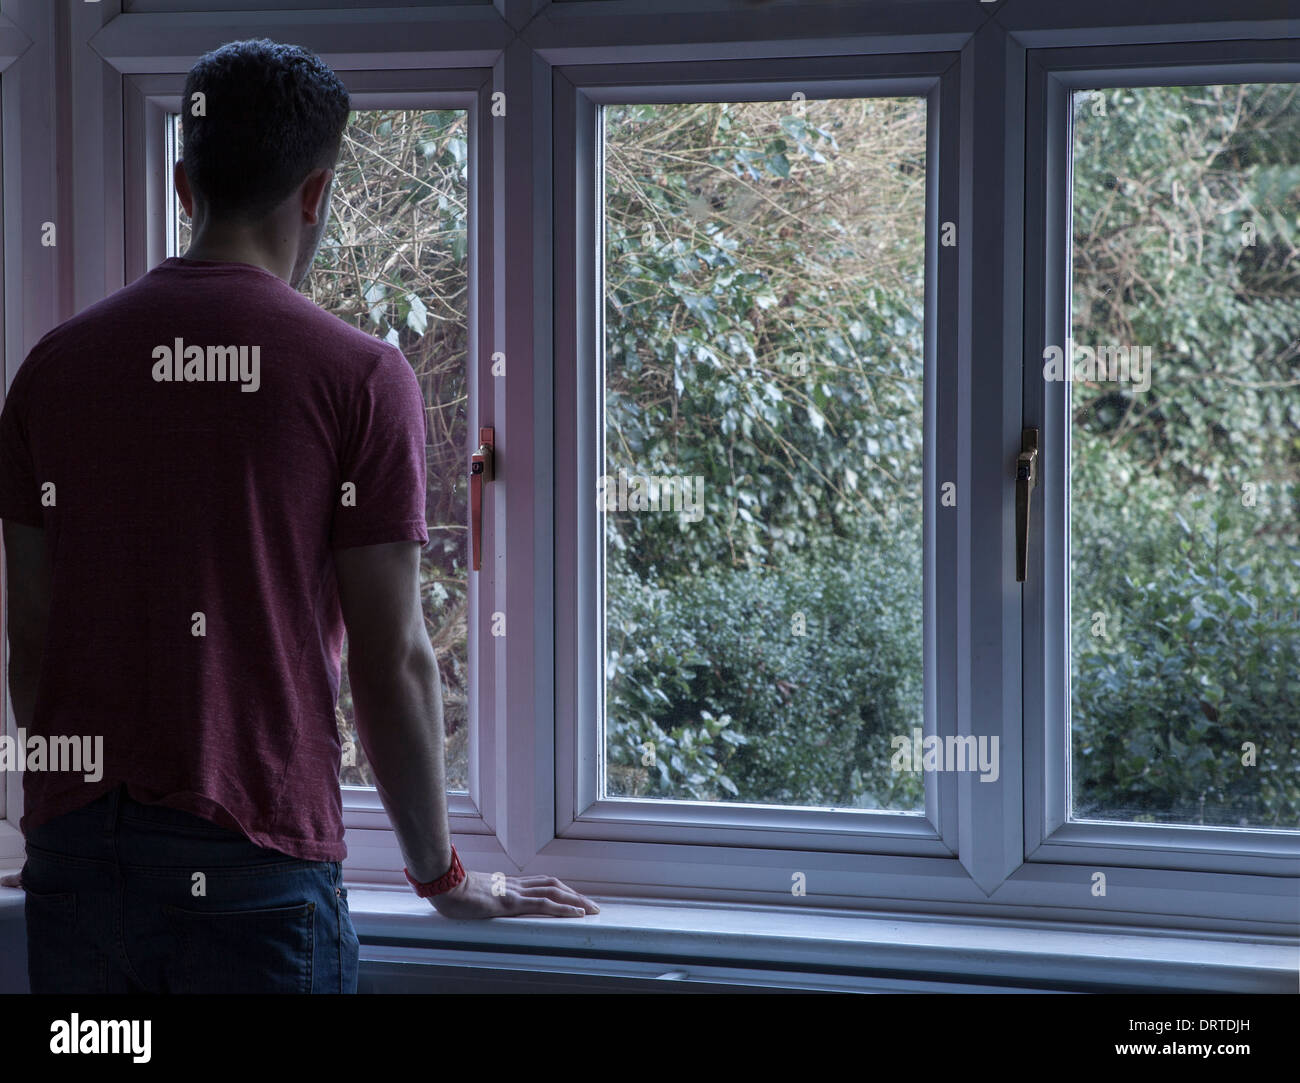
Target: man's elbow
393	664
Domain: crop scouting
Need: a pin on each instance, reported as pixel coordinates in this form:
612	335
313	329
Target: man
203	479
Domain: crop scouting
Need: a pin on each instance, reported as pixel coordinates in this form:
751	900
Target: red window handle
480	473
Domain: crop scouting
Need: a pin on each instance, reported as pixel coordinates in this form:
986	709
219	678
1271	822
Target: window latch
1026	480
480	473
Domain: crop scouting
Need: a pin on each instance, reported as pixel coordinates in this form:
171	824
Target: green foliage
1164	183
749	342
773	685
1199	663
1185	496
764	335
796	395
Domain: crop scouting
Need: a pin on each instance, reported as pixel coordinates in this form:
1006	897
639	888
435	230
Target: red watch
448	880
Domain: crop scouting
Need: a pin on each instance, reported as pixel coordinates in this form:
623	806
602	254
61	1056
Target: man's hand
515	896
16	880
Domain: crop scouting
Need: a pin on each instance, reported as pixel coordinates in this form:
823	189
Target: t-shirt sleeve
383	461
20	500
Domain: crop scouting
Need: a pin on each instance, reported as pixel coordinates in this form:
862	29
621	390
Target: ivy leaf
417	318
374	295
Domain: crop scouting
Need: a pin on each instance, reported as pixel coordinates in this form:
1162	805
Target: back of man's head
270	115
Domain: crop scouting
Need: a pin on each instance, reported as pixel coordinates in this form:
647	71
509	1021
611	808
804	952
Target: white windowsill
897	948
953	950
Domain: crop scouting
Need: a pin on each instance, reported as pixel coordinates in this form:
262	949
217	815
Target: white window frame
967	858
1049	837
580	814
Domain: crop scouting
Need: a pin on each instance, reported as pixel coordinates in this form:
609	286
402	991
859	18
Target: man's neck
219	250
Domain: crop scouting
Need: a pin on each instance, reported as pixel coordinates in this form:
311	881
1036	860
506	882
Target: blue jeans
131	898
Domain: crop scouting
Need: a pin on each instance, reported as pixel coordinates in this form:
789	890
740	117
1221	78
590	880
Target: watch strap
448	880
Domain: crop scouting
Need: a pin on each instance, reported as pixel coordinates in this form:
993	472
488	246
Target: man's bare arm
397	696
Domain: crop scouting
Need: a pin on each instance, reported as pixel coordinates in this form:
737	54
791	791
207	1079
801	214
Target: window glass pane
1185	456
393	263
762	475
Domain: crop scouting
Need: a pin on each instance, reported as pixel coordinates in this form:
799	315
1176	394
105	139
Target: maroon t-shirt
194	447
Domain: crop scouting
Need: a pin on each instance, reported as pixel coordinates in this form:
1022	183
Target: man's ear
314	190
182	181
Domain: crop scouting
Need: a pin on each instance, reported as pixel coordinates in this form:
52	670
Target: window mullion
989	421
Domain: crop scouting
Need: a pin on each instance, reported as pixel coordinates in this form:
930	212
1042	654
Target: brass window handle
1026	480
480	473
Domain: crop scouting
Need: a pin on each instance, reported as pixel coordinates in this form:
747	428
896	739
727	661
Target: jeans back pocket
243	951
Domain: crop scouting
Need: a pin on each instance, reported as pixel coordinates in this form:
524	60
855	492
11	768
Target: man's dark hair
272	114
